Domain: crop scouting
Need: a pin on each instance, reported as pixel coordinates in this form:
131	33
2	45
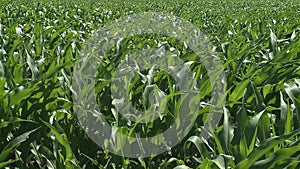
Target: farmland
257	44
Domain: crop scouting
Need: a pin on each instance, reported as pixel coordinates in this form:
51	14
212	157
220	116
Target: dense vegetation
258	43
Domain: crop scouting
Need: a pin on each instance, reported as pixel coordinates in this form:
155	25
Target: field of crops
256	42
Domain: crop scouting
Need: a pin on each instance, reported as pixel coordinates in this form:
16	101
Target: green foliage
257	41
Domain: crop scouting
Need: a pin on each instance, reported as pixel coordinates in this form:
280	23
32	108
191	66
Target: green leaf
32	65
227	129
265	147
286	117
17	98
279	157
62	139
239	90
197	142
207	164
6	163
260	105
251	131
293	92
14	143
219	161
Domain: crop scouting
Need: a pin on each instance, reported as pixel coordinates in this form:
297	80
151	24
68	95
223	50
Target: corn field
256	42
